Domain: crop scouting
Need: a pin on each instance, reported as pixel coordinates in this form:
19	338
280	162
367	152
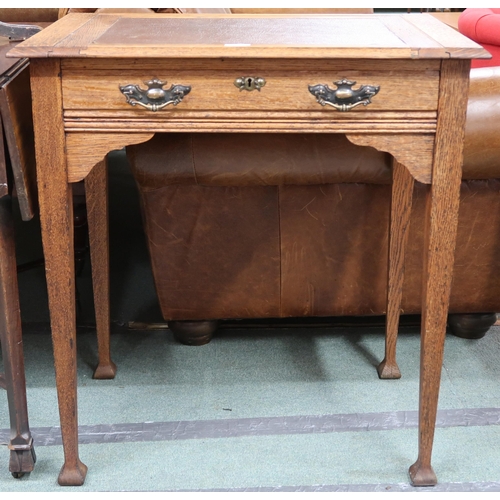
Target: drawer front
286	88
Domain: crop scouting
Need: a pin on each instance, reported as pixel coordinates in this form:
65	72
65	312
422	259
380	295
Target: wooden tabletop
371	36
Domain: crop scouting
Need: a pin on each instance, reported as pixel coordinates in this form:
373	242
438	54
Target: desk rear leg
401	202
96	192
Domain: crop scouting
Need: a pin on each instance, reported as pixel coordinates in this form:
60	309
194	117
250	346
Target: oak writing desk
101	82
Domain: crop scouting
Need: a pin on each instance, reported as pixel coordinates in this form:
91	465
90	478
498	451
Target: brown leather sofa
287	225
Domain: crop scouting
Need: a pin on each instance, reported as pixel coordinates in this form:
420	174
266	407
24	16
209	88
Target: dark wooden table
99	83
17	164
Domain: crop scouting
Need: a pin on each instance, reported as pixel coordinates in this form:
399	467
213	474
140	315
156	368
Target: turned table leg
401	200
56	216
22	452
440	238
96	192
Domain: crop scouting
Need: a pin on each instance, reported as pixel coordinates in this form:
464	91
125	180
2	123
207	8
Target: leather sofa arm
482	130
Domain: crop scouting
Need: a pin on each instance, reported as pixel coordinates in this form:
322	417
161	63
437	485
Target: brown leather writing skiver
104	81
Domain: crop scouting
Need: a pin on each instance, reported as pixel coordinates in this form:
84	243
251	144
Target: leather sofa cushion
320	250
255	159
215	251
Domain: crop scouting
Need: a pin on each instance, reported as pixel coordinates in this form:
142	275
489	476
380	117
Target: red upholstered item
482	26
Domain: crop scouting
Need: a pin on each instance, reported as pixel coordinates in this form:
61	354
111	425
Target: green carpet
261	374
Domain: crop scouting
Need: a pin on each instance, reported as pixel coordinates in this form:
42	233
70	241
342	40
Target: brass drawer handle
155	97
344	98
250	83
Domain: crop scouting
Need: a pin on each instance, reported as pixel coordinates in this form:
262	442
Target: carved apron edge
414	151
84	150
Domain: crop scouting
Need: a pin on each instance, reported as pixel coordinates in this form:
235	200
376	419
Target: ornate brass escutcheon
344	97
155	97
250	83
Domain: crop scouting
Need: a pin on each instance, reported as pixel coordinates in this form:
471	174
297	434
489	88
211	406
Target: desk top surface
371	36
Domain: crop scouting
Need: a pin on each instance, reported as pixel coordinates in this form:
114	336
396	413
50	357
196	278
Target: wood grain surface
440	238
415	152
401	202
86	150
16	112
252	122
215	90
96	192
358	66
56	216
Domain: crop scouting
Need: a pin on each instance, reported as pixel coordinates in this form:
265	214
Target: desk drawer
407	86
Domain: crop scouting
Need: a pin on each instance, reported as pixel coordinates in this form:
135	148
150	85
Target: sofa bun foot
471	326
193	332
